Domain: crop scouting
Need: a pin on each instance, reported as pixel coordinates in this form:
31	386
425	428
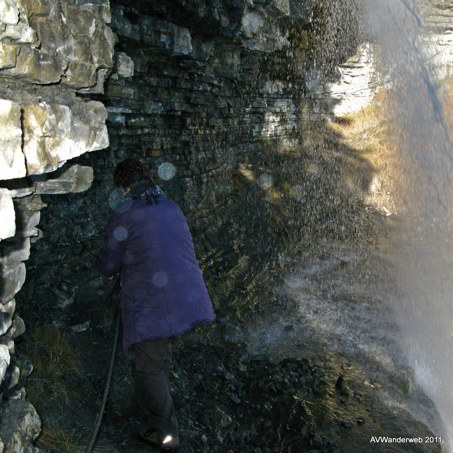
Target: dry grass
54	361
370	133
56	439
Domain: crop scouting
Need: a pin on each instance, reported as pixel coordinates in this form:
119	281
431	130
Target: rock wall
216	96
50	50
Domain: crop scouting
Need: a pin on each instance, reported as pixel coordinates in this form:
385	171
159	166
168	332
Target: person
163	293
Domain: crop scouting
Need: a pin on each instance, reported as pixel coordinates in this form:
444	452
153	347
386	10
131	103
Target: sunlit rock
21	33
9	13
8	223
12	160
4	362
55	133
37	8
358	82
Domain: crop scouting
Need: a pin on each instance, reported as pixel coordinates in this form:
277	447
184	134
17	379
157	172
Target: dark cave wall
218	90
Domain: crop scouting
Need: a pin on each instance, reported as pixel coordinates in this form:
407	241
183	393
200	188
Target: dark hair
130	171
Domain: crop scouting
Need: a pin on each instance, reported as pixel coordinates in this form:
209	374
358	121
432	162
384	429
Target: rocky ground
228	399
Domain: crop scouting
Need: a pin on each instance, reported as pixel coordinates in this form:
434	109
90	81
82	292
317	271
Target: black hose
106	389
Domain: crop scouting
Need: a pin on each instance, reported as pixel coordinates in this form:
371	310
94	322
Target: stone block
124	65
102	47
51	38
29	204
19	425
80	75
165	34
12	160
8	55
15	252
21	33
9	13
98	87
12	279
26	217
6	315
122	25
76	48
91	115
81	20
4	362
36	67
8	223
75	179
55	133
46	128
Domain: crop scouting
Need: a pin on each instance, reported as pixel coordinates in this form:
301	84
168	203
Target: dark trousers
150	370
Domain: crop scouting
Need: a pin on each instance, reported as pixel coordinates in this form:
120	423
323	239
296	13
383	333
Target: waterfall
423	245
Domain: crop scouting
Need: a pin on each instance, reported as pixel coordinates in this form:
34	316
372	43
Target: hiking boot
165	442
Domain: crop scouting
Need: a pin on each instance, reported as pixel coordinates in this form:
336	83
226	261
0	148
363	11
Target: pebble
81	327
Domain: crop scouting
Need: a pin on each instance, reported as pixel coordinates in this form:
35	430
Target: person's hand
113	277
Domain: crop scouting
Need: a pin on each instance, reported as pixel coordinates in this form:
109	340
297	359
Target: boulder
19	425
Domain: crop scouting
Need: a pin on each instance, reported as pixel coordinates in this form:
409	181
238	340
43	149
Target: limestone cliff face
49	51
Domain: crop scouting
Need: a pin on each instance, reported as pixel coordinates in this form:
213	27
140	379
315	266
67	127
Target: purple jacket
162	288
